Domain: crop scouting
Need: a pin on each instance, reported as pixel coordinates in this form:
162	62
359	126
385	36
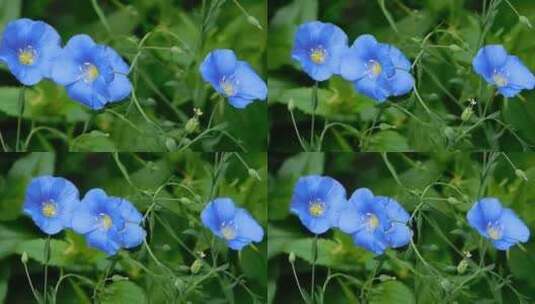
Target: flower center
374	68
228	87
499	79
372	221
105	221
228	231
90	72
494	231
27	55
49	209
316	208
318	55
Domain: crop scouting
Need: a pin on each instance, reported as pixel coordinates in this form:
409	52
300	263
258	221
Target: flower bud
463	265
385	277
252	20
449	132
525	21
252	173
170	144
196	266
117	278
24	257
192	125
455	48
291	105
452	200
521	174
291	257
467	113
445	284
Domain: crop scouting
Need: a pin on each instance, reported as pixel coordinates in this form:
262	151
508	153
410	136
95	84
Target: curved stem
314	106
34	292
22	99
298	284
314	258
46	258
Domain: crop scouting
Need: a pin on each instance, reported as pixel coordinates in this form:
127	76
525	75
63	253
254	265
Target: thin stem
301	142
21	112
314	258
298	284
46	258
34	292
314	106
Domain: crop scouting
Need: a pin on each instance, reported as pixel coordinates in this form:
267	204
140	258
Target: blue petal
303	191
250	85
318	72
394	211
133	235
482	212
217	64
27	75
349	220
16	34
371	241
218	211
366	47
518	75
247	227
99	239
316	225
120	88
360	198
308	35
128	211
399	59
65	70
398	235
502	244
371	88
514	230
509	91
488	59
352	67
84	93
238	244
239	102
84	220
80	47
50	225
402	83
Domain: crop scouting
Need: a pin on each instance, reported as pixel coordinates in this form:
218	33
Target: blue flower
375	222
234	225
318	47
377	70
50	202
233	78
93	74
108	223
28	48
498	224
506	72
317	201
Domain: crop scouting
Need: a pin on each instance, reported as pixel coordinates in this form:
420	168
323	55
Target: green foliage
448	260
440	38
181	260
164	43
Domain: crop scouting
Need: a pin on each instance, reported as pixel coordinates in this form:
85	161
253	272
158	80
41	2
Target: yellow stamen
90	72
228	88
373	221
106	221
494	233
316	208
499	80
375	68
228	232
318	55
48	209
27	56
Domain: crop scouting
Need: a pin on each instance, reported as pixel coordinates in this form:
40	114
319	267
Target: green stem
298	284
314	106
314	258
21	112
34	292
46	258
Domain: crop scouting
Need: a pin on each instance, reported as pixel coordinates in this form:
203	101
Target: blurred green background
444	35
192	265
437	189
168	86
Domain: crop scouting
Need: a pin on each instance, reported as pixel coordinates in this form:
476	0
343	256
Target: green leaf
388	141
9	10
11	235
95	141
123	292
392	292
35	250
254	265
